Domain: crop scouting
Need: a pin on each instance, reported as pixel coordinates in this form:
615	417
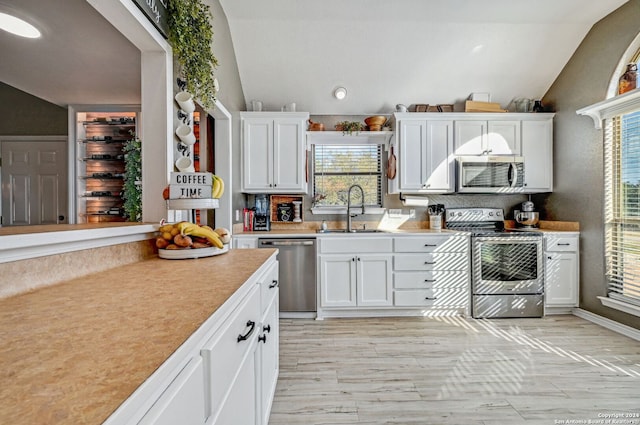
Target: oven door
504	265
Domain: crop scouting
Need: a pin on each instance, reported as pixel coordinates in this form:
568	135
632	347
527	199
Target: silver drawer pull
429	262
429	280
563	244
430	298
428	244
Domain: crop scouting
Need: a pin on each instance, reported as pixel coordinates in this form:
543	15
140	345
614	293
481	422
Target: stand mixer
527	217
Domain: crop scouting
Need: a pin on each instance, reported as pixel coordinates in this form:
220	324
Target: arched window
622	200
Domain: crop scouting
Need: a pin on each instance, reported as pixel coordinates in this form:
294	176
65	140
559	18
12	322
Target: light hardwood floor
452	370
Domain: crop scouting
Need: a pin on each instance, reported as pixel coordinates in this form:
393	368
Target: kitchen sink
352	232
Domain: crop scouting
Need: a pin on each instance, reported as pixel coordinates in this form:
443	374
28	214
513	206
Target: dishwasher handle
287	243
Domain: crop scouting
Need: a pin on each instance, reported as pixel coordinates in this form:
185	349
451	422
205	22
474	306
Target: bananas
191	229
184	235
217	188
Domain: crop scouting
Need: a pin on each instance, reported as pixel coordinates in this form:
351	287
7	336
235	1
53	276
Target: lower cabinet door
374	277
183	400
240	407
337	280
269	367
561	279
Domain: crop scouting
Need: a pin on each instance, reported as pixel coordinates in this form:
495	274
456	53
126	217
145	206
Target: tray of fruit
189	240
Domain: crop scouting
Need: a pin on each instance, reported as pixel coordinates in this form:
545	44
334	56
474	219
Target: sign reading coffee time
156	12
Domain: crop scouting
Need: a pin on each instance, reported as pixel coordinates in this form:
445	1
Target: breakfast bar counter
71	353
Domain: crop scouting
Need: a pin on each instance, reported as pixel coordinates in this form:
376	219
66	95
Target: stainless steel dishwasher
297	257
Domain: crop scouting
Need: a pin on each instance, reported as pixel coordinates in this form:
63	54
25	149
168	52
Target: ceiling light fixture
18	26
340	93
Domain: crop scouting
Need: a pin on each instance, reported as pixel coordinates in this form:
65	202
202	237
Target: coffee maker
261	219
526	217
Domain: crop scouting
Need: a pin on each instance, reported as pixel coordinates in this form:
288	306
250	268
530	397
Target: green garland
190	36
132	189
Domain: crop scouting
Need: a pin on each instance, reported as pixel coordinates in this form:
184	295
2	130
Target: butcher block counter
73	352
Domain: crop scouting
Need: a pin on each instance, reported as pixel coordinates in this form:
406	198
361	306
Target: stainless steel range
507	267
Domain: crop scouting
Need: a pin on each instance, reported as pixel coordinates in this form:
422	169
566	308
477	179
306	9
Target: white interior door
34	182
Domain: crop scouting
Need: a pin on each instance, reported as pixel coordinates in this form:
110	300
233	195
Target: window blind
337	167
622	207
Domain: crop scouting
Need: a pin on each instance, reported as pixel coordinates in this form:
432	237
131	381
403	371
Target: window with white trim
337	167
622	206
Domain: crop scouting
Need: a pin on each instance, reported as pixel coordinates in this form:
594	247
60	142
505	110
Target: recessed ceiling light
340	93
17	26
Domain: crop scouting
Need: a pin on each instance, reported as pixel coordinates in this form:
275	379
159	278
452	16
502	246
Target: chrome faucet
349	215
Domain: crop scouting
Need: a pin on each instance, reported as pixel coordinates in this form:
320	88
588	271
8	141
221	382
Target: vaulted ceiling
383	52
403	51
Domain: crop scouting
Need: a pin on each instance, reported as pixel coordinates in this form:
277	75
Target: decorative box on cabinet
274	152
562	272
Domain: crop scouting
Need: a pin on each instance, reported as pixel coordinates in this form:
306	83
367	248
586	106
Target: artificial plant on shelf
132	188
348	127
190	36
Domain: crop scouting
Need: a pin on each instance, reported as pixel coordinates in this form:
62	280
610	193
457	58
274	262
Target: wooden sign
156	11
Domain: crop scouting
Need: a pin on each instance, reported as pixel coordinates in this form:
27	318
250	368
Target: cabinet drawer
225	351
431	244
356	244
431	279
559	243
435	261
431	298
268	286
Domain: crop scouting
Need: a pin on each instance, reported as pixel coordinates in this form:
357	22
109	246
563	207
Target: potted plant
132	188
348	127
190	36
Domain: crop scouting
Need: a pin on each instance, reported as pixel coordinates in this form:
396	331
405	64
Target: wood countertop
73	352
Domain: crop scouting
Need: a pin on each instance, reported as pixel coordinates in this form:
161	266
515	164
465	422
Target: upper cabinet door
289	164
470	137
503	138
493	137
440	165
412	152
537	150
257	155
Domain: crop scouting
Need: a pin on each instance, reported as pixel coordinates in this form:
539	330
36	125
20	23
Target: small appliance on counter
261	220
527	217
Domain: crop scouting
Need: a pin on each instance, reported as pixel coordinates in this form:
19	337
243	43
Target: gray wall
578	148
25	115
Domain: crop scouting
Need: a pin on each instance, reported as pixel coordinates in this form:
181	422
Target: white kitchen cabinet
268	341
230	358
355	271
487	137
183	401
537	150
562	272
432	271
273	152
348	280
425	151
245	242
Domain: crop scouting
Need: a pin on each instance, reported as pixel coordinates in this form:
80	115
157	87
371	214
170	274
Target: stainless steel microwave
490	174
